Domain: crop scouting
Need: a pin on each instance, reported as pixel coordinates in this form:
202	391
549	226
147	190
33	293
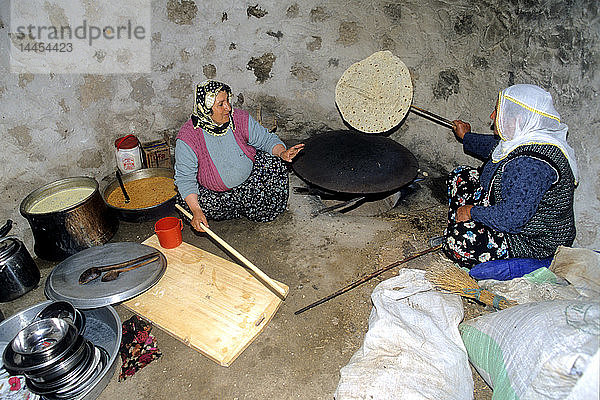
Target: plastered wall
283	60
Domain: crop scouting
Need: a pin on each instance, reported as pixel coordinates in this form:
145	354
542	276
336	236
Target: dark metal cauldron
62	233
18	272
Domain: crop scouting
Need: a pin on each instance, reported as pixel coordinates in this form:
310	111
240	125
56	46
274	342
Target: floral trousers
470	243
261	197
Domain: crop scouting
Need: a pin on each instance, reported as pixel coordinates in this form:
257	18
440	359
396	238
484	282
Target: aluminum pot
18	272
66	231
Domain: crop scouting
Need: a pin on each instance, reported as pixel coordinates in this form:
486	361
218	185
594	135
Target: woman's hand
199	218
289	154
460	128
463	214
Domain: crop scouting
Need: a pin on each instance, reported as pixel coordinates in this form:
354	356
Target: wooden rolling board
213	305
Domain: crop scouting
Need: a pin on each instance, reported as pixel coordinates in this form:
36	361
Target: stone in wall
99	55
393	11
184	54
181	87
480	62
63	130
165	68
24	79
21	134
142	90
63	106
209	71
94	88
447	84
319	14
210	46
262	66
277	34
304	73
256	11
293	11
494	33
181	12
464	25
315	43
348	33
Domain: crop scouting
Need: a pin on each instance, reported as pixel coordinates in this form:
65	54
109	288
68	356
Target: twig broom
455	280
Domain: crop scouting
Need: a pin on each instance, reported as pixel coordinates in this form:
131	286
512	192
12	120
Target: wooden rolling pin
240	257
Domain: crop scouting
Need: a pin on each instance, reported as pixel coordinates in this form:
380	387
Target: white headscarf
525	115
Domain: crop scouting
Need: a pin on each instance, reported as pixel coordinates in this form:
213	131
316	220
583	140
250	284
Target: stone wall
283	60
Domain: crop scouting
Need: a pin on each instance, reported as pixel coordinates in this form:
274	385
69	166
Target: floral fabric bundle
138	346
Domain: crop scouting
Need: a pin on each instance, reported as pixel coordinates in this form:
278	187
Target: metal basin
103	329
141	214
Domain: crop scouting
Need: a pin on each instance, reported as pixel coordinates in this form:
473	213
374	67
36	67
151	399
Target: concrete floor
296	356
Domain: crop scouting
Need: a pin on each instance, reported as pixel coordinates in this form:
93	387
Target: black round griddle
348	161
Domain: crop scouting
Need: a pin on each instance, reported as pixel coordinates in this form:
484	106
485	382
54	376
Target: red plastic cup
168	230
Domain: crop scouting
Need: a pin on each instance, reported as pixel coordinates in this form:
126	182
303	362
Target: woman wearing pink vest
226	164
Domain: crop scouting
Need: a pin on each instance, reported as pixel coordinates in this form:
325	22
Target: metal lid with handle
63	282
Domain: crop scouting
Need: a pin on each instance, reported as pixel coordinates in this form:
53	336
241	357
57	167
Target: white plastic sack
537	350
412	349
539	285
573	275
580	267
588	386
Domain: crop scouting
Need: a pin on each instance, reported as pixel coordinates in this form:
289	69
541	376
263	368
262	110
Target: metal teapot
18	271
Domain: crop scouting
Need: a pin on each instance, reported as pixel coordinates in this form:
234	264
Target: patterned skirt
470	243
261	197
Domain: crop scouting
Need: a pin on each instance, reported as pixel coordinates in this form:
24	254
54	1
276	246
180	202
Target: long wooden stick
366	278
240	257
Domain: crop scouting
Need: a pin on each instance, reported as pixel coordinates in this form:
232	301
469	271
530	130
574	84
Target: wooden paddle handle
240	257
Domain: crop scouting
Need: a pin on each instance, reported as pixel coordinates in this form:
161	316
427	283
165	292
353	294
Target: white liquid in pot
60	200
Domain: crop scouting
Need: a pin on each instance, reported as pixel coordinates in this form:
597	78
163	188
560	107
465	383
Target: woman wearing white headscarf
519	204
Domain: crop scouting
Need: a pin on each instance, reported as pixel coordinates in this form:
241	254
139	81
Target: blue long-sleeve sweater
524	182
233	165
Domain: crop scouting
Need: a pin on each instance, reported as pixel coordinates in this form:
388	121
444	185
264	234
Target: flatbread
375	94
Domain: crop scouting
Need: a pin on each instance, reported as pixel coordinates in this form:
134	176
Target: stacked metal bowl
58	362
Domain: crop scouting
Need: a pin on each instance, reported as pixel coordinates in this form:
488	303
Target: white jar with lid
128	153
